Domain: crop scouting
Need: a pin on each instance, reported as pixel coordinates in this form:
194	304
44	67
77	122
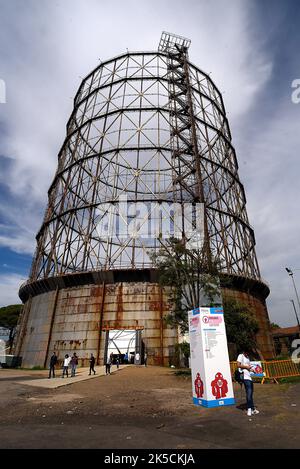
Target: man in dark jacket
53	361
74	363
92	364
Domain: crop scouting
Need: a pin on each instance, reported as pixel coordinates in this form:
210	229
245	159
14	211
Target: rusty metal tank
147	129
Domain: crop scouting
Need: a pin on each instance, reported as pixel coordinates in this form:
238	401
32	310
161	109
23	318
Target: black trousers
107	369
92	369
52	371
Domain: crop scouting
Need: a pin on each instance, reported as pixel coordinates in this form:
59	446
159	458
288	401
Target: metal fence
275	369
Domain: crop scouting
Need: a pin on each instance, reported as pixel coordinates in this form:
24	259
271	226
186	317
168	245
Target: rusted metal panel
78	328
76	325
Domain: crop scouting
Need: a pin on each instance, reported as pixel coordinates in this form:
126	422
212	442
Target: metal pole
291	274
293	303
297	296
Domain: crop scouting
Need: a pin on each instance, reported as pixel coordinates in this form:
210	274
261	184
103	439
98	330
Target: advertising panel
211	375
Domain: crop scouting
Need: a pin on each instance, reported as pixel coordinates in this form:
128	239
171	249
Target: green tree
241	325
189	274
9	316
184	349
273	325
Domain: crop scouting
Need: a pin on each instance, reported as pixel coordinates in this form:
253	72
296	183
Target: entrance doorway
125	345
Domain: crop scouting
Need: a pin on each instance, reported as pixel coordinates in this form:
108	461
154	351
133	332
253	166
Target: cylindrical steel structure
148	129
119	143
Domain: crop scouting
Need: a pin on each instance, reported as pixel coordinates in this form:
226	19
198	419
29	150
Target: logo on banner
212	320
258	369
219	386
199	388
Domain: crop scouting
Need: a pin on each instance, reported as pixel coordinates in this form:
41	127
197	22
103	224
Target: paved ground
139	407
82	374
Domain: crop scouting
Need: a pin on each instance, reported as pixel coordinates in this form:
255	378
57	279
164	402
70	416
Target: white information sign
211	375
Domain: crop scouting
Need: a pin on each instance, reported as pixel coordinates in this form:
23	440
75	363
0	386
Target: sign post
211	375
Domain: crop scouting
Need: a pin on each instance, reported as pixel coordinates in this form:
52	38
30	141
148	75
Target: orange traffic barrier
275	369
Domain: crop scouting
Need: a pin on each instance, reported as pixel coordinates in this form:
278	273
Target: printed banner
211	375
256	370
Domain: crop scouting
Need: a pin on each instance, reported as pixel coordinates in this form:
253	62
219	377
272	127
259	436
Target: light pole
291	274
293	303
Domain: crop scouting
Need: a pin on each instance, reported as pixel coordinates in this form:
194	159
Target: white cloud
9	287
52	44
271	171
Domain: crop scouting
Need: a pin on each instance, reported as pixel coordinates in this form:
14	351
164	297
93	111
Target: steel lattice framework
152	127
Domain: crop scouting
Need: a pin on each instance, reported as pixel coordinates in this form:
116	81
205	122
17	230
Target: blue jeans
249	393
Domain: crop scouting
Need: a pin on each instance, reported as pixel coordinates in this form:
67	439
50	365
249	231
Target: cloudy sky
251	49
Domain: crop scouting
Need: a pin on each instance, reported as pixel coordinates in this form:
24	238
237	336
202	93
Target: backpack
238	376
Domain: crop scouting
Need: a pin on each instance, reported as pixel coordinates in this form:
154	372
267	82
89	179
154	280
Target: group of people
67	363
73	362
243	362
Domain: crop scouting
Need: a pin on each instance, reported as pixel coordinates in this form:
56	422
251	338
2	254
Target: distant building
283	338
4	333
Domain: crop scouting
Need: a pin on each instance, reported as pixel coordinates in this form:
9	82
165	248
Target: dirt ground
140	407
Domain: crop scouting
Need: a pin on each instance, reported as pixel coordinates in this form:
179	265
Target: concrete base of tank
74	312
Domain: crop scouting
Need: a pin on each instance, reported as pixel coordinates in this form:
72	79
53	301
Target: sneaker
255	411
249	412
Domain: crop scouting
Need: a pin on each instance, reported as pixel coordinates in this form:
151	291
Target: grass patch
183	372
289	379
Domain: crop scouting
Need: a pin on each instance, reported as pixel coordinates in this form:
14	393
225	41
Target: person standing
108	365
66	366
74	363
53	361
137	358
244	365
92	364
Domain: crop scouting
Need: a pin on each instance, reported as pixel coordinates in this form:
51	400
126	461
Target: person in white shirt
66	366
244	365
137	358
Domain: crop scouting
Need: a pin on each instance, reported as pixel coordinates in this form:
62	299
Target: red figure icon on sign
258	369
198	386
219	386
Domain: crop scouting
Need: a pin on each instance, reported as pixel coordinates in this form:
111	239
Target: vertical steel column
51	326
100	324
161	326
106	346
138	346
22	327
